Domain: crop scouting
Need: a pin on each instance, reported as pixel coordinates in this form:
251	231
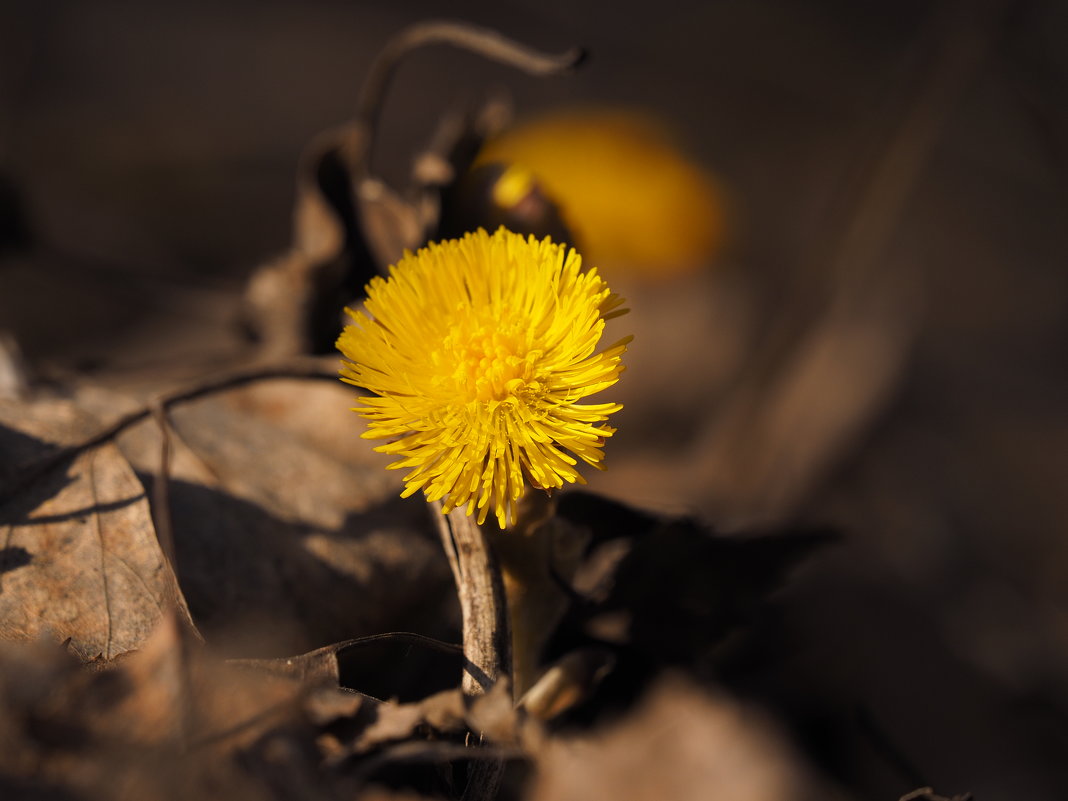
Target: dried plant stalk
486	637
487	641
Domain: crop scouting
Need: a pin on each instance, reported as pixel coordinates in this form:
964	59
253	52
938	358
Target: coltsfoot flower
632	199
478	351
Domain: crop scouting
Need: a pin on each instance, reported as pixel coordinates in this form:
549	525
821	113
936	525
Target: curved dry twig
928	794
485	42
292	665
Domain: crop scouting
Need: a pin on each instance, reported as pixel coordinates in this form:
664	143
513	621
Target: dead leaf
294	302
442	712
569	681
349	226
326	705
173	693
493	716
681	744
152	691
315	667
676	586
705	584
79	558
441	728
289	533
643	593
162	724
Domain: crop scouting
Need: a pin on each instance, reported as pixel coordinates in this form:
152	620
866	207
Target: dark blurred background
880	345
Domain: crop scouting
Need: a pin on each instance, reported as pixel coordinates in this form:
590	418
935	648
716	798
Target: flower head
632	198
479	351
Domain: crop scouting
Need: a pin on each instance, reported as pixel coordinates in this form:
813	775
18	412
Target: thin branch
928	794
161	495
403	636
396	636
357	642
485	42
175	610
163	521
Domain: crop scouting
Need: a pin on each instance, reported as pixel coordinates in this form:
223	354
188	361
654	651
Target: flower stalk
486	632
479	355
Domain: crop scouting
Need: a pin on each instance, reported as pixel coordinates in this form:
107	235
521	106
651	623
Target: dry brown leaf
681	744
79	558
294	302
325	705
315	667
150	704
490	717
348	224
172	693
166	723
289	532
442	711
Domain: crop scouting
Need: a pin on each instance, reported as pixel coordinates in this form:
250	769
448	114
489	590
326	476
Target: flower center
492	360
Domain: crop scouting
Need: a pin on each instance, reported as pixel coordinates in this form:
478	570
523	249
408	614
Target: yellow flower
478	351
632	199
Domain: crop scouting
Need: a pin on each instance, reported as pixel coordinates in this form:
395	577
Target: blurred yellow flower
626	191
478	351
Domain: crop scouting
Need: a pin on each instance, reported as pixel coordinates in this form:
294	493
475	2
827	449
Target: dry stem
487	641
